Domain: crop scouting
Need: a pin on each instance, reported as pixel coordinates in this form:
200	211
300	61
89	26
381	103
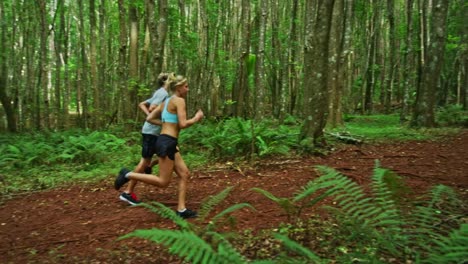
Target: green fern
194	243
451	249
431	223
287	204
167	213
183	243
309	256
211	202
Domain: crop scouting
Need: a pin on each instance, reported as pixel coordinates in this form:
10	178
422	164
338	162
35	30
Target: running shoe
187	214
121	179
130	198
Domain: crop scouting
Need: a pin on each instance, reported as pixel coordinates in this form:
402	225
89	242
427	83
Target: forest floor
80	223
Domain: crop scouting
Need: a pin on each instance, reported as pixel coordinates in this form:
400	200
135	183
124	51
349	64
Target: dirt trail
81	223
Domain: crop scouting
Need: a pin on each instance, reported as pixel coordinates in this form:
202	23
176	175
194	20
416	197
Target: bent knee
164	184
185	175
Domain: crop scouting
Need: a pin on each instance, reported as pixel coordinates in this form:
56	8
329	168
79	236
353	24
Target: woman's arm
182	115
155	116
144	107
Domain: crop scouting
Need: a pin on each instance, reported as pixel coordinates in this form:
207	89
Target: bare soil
81	223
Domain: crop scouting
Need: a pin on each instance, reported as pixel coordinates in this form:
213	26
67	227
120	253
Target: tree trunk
424	110
133	70
58	36
407	65
337	68
43	64
293	59
260	99
96	111
316	70
83	70
103	78
5	99
369	82
122	69
276	71
389	79
161	36
462	78
241	88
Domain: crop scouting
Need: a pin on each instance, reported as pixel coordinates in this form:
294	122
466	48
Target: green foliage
452	115
185	244
387	127
42	160
55	148
372	227
195	243
376	227
291	245
288	205
232	138
451	249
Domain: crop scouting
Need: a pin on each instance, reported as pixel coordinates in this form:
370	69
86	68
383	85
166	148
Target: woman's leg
140	168
181	169
166	167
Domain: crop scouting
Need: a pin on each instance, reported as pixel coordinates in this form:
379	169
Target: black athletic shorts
148	145
166	146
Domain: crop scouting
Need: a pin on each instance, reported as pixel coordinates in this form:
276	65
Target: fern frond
232	209
444	194
267	194
226	252
298	248
167	213
452	249
285	203
184	244
429	223
211	202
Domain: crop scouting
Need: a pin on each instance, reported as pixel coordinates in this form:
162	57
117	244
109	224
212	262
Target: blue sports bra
168	117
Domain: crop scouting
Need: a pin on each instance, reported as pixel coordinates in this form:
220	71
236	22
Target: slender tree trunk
65	28
259	103
58	36
292	61
5	98
182	66
370	78
462	86
316	70
276	71
103	79
389	79
96	111
241	87
83	76
161	35
407	65
143	65
122	69
337	40
134	81
43	64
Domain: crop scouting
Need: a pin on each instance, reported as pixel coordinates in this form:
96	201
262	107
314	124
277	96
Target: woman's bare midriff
170	129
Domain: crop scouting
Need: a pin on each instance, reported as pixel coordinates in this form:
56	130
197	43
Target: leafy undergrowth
37	161
363	227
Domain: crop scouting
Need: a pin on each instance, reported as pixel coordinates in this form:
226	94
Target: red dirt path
80	223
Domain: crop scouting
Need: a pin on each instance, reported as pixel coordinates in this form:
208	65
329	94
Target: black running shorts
148	145
166	146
